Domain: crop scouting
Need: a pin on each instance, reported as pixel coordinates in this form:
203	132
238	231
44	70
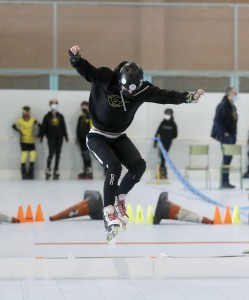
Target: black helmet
131	76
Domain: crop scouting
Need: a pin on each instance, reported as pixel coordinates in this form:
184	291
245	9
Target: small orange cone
39	215
217	217
29	214
228	217
20	214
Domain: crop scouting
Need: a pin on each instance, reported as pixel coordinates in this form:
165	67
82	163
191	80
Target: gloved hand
74	55
155	144
66	138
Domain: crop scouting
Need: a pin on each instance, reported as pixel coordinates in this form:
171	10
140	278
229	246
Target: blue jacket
225	120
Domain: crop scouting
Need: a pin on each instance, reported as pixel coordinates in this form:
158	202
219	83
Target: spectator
83	127
224	128
25	127
54	128
167	131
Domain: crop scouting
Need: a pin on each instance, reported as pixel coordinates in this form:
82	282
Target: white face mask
167	117
54	106
235	98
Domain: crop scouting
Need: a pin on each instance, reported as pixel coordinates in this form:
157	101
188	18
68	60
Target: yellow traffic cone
129	212
236	216
139	215
150	216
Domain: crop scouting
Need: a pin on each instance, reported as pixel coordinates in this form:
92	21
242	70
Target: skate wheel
123	226
111	234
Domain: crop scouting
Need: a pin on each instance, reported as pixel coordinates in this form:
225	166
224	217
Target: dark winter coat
225	120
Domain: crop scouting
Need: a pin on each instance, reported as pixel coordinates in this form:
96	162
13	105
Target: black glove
74	58
155	144
66	138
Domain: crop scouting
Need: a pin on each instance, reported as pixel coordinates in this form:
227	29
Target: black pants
85	153
111	154
231	139
54	148
166	146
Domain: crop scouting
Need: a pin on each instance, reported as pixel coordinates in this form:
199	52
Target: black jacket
83	126
167	131
225	120
105	103
53	126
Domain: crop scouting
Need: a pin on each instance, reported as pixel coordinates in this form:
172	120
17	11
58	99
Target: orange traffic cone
20	214
92	205
29	214
227	217
168	210
39	215
217	217
7	218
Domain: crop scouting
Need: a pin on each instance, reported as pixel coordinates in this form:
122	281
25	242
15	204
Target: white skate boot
120	210
111	222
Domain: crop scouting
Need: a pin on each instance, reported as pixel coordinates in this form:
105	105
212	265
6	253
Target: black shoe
24	172
227	185
56	176
85	175
246	175
31	172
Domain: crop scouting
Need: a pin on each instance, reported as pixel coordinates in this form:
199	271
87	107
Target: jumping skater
167	131
25	126
114	99
82	130
54	128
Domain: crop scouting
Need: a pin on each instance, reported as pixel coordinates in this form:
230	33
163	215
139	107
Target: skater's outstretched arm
163	96
83	67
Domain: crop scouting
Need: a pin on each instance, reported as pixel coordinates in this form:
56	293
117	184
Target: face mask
54	106
235	98
26	116
84	110
167	117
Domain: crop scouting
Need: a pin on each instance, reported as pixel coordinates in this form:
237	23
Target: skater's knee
114	168
137	169
113	172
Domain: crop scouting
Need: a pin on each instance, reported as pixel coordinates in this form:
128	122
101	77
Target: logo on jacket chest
55	121
116	101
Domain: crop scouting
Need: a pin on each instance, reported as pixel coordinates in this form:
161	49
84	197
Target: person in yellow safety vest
25	127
